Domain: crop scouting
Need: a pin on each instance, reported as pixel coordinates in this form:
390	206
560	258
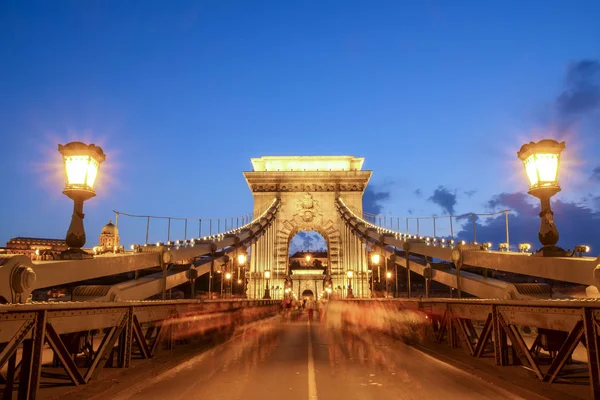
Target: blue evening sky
182	94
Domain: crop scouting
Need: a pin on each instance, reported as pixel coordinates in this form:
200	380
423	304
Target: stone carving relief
306	187
308	211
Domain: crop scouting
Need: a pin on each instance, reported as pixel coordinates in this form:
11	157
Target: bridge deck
301	360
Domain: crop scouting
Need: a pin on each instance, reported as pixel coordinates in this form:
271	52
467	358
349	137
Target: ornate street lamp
350	274
307	258
388	276
267	276
229	283
375	258
82	164
242	257
542	162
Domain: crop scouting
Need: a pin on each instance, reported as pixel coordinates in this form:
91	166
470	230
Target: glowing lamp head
267	274
388	275
82	163
580	249
524	247
307	258
241	259
350	274
228	275
375	258
541	161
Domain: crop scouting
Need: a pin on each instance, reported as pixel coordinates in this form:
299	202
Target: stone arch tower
308	187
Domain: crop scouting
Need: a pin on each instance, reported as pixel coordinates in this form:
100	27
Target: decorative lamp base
350	294
552	251
267	295
75	254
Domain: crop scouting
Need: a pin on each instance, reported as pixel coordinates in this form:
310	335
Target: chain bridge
392	300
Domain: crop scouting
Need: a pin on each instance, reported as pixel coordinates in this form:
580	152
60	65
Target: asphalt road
309	361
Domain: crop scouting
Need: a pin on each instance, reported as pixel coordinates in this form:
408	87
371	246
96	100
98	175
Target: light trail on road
302	360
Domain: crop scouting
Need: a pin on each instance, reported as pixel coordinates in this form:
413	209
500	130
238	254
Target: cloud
304	241
577	222
418	193
444	198
581	94
596	174
372	199
410	211
470	193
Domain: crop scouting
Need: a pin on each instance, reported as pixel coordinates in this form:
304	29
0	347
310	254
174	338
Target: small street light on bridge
375	258
82	164
350	274
267	276
388	276
542	161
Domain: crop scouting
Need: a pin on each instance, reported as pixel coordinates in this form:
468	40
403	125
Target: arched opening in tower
308	264
308	249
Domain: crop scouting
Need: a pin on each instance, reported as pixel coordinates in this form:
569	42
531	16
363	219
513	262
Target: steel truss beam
122	325
19	276
454	323
569	269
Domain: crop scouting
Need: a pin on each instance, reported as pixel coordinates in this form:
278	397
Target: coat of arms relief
308	210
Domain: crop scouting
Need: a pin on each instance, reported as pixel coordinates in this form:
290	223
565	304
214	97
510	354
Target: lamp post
307	258
388	276
267	289
375	258
228	279
542	161
350	294
82	163
242	257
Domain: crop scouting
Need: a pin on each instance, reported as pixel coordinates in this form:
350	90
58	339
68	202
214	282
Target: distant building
34	248
307	258
44	249
109	237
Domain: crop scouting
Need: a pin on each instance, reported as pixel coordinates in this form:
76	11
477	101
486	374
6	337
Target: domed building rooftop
109	229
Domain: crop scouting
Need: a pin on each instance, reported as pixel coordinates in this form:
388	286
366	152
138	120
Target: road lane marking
312	380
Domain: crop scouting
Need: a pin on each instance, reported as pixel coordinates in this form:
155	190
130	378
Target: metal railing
578	270
543	334
206	226
103	335
394	223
